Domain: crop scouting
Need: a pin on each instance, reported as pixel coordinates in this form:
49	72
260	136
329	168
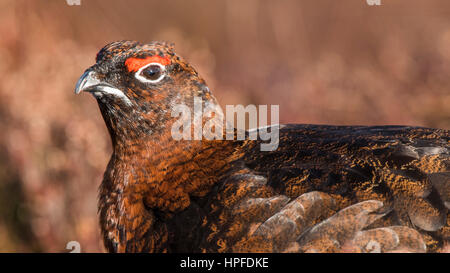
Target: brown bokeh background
322	61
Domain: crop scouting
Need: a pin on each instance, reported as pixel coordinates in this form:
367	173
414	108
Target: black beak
89	82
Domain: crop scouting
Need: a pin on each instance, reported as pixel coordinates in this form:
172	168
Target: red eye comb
133	64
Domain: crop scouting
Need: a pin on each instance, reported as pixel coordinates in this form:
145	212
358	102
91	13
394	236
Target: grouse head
136	85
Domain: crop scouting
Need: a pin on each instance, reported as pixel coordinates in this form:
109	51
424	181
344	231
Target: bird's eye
151	73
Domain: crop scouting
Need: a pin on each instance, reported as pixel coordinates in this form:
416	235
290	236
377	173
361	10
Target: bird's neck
152	157
156	174
169	171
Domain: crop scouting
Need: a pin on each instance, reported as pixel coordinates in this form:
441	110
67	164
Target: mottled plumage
325	189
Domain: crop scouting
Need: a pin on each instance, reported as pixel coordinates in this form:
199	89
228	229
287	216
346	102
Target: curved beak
89	82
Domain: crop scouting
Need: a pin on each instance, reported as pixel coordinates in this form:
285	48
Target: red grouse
324	189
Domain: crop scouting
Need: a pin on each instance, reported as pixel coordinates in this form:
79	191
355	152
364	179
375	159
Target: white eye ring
138	75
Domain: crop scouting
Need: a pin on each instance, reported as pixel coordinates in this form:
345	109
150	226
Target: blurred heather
338	62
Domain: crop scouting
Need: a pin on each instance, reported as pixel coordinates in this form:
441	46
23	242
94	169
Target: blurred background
322	61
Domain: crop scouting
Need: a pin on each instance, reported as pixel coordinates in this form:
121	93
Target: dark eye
151	73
